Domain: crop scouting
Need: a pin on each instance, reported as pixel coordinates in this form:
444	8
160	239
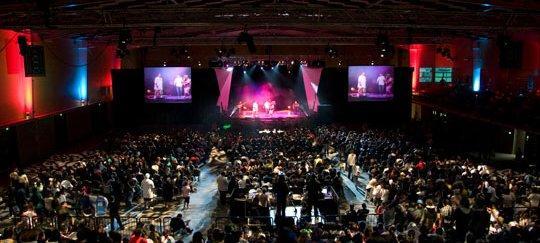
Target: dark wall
33	140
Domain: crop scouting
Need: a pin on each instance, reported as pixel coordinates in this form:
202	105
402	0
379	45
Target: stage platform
277	115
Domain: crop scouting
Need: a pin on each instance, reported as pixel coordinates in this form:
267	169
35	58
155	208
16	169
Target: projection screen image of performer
158	86
179	85
167	84
381	81
362	84
370	83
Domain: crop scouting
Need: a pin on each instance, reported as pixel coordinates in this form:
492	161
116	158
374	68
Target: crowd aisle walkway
202	203
355	192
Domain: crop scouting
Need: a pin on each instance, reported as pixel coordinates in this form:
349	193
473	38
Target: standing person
179	85
223	187
186	192
362	84
147	190
351	163
267	106
255	108
114	213
380	83
158	86
462	217
281	189
137	237
313	188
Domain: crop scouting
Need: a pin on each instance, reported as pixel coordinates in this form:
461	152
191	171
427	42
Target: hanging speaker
34	61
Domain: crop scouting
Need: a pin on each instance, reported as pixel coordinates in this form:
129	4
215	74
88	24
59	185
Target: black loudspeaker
34	61
23	45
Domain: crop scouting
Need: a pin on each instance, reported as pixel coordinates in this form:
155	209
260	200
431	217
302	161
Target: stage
278	115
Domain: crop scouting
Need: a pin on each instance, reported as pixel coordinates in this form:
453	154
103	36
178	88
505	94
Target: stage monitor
167	84
371	83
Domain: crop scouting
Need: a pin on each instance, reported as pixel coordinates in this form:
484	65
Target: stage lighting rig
219	52
331	51
386	50
124	39
245	37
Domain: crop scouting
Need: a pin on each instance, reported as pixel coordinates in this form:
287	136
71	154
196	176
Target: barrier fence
163	223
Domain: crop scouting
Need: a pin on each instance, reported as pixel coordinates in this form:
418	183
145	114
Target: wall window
426	75
443	75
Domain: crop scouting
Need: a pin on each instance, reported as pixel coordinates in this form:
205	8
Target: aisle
202	203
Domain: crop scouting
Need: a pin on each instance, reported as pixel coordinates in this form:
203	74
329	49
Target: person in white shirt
267	106
380	83
167	238
223	187
362	84
186	193
158	86
351	163
148	187
255	109
179	85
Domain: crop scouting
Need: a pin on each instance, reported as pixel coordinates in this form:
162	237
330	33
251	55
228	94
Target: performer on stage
187	85
362	84
179	85
267	106
255	109
272	107
296	107
380	83
158	86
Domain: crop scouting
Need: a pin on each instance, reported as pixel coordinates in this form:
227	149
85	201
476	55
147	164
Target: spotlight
230	69
262	68
382	54
372	63
245	71
199	64
219	52
164	63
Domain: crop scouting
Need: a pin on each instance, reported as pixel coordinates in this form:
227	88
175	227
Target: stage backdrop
224	77
311	77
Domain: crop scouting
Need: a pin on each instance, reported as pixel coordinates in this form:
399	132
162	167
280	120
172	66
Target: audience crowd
126	172
414	193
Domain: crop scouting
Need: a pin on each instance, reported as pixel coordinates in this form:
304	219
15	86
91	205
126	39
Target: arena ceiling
198	22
